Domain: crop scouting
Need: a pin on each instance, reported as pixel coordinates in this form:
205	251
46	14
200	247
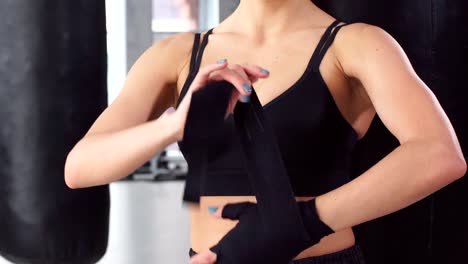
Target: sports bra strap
202	50
196	44
325	43
195	61
315	56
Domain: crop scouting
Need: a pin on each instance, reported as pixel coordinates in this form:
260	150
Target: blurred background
63	62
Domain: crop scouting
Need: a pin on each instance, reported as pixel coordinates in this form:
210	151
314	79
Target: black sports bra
315	141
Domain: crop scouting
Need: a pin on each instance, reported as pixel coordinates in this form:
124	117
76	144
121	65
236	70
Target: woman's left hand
255	238
207	257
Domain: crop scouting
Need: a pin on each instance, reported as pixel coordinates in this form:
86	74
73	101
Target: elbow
453	164
460	170
71	173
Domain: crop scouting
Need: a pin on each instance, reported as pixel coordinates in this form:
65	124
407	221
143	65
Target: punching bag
434	35
52	88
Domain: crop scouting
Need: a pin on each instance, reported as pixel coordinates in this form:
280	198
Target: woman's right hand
241	76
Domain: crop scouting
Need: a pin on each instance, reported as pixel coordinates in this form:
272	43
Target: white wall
116	46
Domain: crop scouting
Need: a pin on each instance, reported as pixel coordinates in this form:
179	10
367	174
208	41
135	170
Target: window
173	16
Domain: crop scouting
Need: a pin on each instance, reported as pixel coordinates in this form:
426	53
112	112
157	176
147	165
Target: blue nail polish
265	71
212	209
221	61
245	99
247	88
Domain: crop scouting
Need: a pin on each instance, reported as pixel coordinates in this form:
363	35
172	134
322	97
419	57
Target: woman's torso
286	59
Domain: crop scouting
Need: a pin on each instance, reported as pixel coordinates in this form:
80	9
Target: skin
366	72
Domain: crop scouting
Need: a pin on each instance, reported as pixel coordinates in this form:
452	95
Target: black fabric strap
191	75
325	45
323	39
265	167
193	58
205	119
202	50
195	61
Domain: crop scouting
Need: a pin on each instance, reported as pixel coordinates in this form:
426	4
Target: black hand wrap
277	228
205	118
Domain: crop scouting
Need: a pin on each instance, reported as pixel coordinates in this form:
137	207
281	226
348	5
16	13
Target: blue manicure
212	209
221	61
247	88
245	99
265	71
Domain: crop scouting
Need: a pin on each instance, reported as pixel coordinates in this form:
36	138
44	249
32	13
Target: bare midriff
207	230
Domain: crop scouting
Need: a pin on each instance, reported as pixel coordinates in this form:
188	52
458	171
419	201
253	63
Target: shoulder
362	42
169	54
176	43
364	35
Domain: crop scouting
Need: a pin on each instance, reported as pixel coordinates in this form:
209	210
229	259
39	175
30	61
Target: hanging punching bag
434	35
52	87
450	84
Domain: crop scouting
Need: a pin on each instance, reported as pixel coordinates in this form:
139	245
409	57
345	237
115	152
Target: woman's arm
429	156
122	138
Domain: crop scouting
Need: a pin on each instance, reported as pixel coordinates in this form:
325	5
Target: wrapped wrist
315	227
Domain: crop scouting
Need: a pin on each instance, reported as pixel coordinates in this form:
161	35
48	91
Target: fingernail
171	110
221	61
245	99
212	209
265	71
247	88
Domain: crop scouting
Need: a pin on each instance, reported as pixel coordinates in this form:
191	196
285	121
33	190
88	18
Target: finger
255	72
239	69
207	257
215	211
204	73
208	69
234	211
241	83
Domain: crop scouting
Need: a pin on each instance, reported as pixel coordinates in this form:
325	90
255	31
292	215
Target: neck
265	17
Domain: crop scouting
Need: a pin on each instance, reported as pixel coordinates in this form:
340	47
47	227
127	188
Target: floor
148	224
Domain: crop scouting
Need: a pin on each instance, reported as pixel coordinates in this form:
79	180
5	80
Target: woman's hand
257	240
241	76
207	257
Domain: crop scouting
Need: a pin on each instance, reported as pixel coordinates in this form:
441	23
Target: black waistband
353	254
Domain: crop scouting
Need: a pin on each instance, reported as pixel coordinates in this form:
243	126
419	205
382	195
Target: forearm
411	172
103	158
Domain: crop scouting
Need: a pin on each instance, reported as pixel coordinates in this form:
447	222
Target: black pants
351	255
